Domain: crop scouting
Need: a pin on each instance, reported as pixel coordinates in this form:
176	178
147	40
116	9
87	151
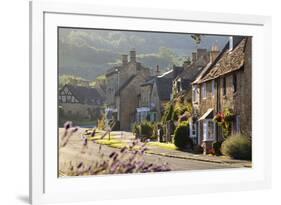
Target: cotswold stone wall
111	87
145	92
129	101
231	99
209	101
246	103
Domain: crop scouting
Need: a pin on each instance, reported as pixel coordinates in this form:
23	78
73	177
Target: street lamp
117	70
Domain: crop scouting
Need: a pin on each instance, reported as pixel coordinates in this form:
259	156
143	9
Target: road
72	152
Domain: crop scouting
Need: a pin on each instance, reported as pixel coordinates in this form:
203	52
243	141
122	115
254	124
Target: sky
89	52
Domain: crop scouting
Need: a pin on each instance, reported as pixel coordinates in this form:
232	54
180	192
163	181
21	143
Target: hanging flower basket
225	119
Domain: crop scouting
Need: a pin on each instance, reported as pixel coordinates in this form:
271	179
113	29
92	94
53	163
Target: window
192	129
204	94
234	81
224	86
194	93
213	88
209	129
209	87
192	132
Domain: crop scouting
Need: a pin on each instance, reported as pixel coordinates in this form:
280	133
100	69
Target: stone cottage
225	83
80	103
155	93
182	83
123	89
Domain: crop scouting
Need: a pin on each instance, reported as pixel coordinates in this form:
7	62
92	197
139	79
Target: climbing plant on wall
224	120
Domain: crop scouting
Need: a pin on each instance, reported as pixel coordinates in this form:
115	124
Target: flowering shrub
126	160
224	120
67	133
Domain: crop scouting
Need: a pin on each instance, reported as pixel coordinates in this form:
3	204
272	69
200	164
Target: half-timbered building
79	102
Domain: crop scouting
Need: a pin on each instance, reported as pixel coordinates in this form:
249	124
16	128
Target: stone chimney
194	56
157	70
201	52
214	52
133	56
124	59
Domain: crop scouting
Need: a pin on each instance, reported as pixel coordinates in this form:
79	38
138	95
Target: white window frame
205	130
191	129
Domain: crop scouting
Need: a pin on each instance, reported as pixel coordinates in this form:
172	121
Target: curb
196	159
190	158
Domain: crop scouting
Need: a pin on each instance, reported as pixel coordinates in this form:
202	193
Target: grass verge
168	146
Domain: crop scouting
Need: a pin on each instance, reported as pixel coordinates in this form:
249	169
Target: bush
238	147
144	130
217	148
181	138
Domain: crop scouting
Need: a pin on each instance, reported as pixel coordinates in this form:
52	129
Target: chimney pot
214	52
194	57
133	56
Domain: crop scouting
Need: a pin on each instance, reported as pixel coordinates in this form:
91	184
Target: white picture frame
46	187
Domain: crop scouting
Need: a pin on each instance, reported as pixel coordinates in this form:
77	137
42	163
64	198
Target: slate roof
164	88
85	95
149	81
194	69
227	61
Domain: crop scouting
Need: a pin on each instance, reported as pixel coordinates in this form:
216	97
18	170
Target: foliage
224	120
68	131
238	147
217	147
155	130
144	130
196	38
126	160
101	123
72	80
168	113
181	138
